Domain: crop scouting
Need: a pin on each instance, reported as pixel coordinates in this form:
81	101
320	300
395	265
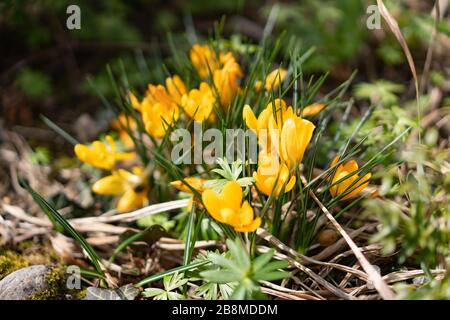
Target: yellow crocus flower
269	123
343	187
275	78
226	78
194	182
282	112
134	101
198	103
224	71
131	187
296	134
256	124
159	110
176	88
204	59
228	208
313	109
121	123
101	155
272	175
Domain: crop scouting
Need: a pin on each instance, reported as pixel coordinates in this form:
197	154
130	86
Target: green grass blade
189	237
54	215
125	243
59	130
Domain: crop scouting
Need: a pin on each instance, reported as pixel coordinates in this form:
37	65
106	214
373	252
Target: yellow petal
357	188
213	204
110	185
193	182
335	160
229	216
131	200
81	151
274	79
249	118
246	214
351	166
232	195
250	227
313	109
124	155
134	101
290	184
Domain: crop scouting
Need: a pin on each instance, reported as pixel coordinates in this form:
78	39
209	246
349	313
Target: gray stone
21	284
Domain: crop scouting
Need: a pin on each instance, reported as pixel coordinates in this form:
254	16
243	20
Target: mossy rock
25	283
54	281
10	261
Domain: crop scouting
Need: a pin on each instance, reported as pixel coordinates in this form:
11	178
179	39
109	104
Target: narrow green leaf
54	215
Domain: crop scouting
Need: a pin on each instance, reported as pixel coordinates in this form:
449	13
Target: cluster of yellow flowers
283	136
131	186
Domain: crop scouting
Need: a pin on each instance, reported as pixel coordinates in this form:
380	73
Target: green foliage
229	173
61	225
34	83
432	290
332	27
420	228
237	267
40	155
171	284
379	92
161	219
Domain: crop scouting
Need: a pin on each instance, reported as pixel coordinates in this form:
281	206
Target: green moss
24	245
78	294
55	287
10	261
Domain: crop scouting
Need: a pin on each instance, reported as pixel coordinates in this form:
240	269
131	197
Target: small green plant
172	283
236	267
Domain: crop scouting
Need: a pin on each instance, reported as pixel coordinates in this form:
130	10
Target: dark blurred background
44	67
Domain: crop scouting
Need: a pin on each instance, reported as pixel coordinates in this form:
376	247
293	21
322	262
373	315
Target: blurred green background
45	67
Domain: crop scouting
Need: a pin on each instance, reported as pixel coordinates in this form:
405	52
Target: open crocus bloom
345	186
132	187
101	155
198	103
272	175
176	88
204	59
159	110
228	208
